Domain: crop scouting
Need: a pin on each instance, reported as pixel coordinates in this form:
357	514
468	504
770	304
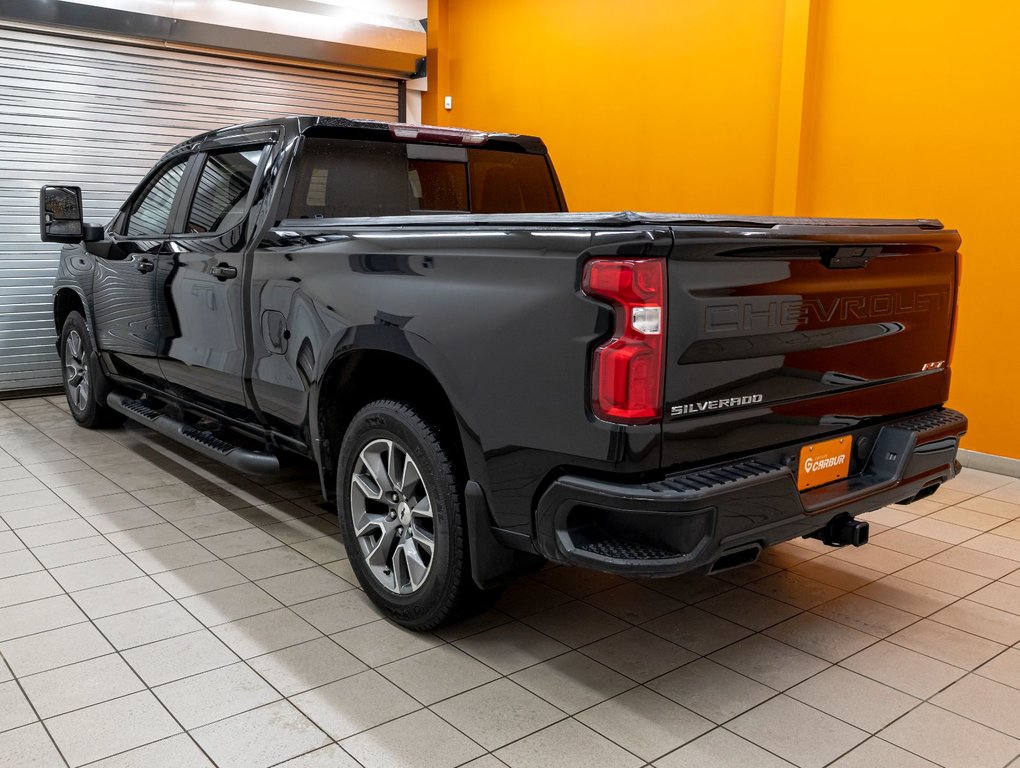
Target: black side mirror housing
60	218
93	233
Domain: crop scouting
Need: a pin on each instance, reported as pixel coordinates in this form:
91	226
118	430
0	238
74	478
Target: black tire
80	377
447	591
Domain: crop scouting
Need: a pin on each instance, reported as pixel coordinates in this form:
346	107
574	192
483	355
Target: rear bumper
697	521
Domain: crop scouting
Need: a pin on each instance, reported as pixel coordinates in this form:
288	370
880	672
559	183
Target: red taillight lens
627	370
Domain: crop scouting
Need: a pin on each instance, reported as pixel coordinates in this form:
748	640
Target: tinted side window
222	191
508	182
150	212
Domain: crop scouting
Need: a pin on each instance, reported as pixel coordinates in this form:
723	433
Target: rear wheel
79	375
401	513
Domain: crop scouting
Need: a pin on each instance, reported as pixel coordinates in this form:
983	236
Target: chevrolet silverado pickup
486	381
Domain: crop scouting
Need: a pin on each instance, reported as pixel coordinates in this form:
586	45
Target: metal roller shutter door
98	114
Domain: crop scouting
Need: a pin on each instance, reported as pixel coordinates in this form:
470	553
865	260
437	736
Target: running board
243	460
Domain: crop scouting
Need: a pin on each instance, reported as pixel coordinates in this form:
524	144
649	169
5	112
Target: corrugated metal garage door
98	115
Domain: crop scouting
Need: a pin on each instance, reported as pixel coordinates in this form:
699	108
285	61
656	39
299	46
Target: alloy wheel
392	515
76	371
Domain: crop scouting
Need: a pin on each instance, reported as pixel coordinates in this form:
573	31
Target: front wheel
80	376
401	513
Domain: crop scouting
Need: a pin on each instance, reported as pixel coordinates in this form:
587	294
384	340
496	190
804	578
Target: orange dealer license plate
824	462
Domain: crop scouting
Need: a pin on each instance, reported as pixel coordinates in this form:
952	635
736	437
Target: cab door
126	298
202	271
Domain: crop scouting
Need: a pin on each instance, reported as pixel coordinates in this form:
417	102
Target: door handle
223	271
145	266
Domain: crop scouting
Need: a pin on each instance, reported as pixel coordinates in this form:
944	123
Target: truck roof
379	130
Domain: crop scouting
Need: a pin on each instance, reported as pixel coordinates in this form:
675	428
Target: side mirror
60	218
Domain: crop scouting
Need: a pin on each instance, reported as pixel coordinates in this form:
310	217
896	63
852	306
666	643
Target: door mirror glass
60	215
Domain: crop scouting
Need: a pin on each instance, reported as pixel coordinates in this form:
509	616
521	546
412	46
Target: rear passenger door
203	272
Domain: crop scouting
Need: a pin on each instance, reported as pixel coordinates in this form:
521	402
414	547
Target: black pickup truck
485	380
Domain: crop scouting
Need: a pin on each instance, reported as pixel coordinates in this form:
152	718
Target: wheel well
64	303
361	377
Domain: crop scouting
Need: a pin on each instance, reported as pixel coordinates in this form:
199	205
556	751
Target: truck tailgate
783	335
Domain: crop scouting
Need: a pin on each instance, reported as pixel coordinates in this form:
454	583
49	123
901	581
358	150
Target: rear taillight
627	370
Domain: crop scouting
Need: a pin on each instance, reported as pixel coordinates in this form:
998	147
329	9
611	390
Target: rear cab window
336	178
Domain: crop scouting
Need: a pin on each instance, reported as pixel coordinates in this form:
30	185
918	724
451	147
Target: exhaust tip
736	558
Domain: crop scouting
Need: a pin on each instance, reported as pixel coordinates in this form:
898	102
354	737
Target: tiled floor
159	610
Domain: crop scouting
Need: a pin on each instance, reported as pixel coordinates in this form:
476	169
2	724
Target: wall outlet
448	102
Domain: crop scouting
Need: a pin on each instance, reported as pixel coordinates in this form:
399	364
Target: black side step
206	443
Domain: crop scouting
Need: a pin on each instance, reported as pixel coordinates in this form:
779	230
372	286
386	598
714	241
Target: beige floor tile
567	744
749	609
98	731
210	696
174	658
900	540
835	572
511	647
950	740
51	513
175	752
721	749
147	625
29	745
787	554
196	579
18	562
984	701
575	623
15	711
1001	546
96	573
768	725
992	506
875	752
874	558
149	537
331	756
260	738
950	533
229	604
981	620
498	712
890	516
854	699
769	661
178	502
903	669
577	582
637	654
572	682
1004	597
38	616
55	648
302	586
527	596
866	615
711	690
645	723
119	597
242	542
77	551
437	674
697	630
1009	492
796	589
1004	668
906	595
172	557
301	667
324	549
355	704
968	518
380	642
943	578
270	562
417	740
745	574
1010	530
633	602
821	637
338	612
27	587
115	502
948	644
265	633
689	588
80	685
303	529
978	563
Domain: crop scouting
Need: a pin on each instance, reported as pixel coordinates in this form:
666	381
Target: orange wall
906	108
